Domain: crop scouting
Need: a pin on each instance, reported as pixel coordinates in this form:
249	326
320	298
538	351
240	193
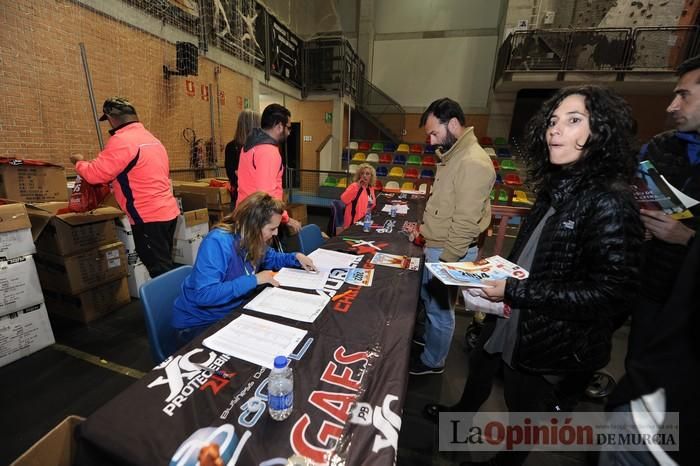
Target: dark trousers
154	245
523	391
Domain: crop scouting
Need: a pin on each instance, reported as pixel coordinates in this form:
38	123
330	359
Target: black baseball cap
115	106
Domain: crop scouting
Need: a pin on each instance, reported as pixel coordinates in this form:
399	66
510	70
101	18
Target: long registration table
350	377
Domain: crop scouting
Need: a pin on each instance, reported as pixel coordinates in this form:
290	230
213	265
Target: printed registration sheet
325	259
255	340
400	208
298	278
304	307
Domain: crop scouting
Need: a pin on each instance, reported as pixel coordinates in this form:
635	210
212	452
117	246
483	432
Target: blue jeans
439	301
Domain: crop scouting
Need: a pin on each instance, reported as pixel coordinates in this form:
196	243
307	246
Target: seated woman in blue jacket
232	261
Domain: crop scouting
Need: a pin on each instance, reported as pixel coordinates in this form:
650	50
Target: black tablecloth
355	356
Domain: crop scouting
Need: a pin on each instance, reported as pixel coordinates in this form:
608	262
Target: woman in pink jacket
359	195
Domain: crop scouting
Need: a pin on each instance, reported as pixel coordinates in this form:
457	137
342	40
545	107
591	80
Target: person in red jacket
136	163
359	195
260	167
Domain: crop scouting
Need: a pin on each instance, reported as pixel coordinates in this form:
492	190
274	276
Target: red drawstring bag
86	197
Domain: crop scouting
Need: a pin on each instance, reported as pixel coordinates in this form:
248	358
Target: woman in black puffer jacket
580	243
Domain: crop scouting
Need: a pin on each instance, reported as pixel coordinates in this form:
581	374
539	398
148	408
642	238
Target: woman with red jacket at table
359	196
232	261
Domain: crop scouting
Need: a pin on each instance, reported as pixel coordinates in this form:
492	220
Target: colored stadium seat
373	158
396	172
342	183
385	158
378	146
520	197
503	152
500	141
411	173
485	141
429	161
490	151
492	196
496	165
392	186
423	187
346	155
429	149
363	146
382	171
512	180
352	145
502	195
403	148
408	186
399	159
416	149
352	168
330	181
427	175
378	185
359	157
499	178
508	165
389	147
414	160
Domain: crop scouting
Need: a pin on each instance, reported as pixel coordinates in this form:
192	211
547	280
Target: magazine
392	260
472	273
653	192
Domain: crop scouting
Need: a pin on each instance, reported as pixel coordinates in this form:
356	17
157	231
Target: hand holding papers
472	273
255	340
474	301
304	307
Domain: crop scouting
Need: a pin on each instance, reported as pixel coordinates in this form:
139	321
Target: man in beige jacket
458	210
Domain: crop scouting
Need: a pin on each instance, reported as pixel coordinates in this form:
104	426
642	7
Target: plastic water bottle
367	224
393	209
280	389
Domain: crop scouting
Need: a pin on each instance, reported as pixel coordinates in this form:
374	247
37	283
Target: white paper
325	259
400	208
686	200
255	340
299	278
304	307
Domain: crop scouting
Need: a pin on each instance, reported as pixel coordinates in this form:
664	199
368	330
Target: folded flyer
392	260
472	273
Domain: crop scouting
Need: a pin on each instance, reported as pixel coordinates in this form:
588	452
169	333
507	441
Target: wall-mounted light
186	62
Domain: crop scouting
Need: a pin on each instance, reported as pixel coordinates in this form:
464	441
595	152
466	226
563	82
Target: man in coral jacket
136	163
260	167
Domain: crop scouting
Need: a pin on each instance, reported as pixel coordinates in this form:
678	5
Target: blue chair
157	298
337	216
310	238
382	171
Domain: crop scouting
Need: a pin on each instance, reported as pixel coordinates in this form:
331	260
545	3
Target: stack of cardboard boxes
24	323
82	265
192	227
218	199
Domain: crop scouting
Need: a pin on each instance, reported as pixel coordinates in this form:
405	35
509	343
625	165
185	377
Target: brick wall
44	106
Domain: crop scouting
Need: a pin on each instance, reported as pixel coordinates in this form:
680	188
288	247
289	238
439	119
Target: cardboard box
217	215
69	233
57	448
216	197
298	212
19	284
15	231
194	220
185	250
90	304
80	272
24	181
23	333
138	275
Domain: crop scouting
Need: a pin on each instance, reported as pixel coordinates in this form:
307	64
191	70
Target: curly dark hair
608	154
